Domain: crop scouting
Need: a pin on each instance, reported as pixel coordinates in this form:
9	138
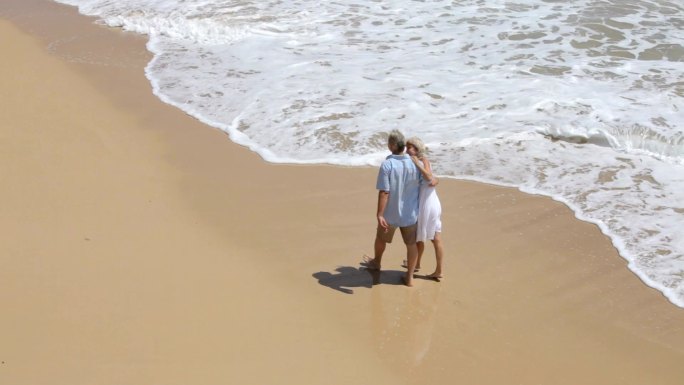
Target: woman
430	209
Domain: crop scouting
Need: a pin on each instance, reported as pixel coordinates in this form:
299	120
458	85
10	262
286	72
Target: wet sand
139	246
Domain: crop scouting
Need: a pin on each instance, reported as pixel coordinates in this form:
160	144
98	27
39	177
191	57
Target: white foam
581	101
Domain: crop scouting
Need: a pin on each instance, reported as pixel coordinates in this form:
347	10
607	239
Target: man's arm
383	197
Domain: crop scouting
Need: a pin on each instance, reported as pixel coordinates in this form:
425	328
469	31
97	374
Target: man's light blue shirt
401	178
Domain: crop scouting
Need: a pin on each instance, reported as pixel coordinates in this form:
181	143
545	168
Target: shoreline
617	241
590	178
655	272
168	254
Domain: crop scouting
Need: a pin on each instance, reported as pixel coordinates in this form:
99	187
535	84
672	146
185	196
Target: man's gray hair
397	138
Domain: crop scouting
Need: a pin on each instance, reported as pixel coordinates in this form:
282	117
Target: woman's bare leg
421	248
439	254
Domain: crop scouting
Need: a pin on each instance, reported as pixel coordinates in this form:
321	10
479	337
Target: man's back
400	177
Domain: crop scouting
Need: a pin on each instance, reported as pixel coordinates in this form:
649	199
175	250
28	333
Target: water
581	100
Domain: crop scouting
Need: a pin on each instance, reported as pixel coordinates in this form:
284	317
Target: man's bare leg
379	250
412	258
421	248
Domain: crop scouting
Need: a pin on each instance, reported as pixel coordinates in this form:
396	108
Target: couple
407	199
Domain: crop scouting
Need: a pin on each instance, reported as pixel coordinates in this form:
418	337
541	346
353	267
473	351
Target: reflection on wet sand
403	324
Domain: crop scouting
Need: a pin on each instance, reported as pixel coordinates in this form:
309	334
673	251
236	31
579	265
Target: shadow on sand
345	278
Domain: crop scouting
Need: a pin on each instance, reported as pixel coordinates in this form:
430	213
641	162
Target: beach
141	246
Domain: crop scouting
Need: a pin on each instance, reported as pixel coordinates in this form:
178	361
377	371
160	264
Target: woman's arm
425	169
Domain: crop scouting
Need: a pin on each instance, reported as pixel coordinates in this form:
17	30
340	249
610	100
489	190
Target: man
398	186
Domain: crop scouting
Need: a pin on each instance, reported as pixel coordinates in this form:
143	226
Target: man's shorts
408	233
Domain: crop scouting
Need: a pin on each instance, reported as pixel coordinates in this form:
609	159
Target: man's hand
383	223
383	196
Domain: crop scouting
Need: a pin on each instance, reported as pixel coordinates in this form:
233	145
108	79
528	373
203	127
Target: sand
139	246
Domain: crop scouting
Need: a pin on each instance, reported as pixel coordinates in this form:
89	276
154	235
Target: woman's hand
416	161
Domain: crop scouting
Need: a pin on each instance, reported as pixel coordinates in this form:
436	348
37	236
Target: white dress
429	214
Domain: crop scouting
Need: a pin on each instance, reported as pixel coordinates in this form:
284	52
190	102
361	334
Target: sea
578	100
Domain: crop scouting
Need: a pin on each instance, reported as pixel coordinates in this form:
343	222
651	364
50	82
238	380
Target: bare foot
369	263
408	282
436	276
405	266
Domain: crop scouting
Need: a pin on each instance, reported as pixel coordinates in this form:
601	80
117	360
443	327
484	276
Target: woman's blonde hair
418	144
